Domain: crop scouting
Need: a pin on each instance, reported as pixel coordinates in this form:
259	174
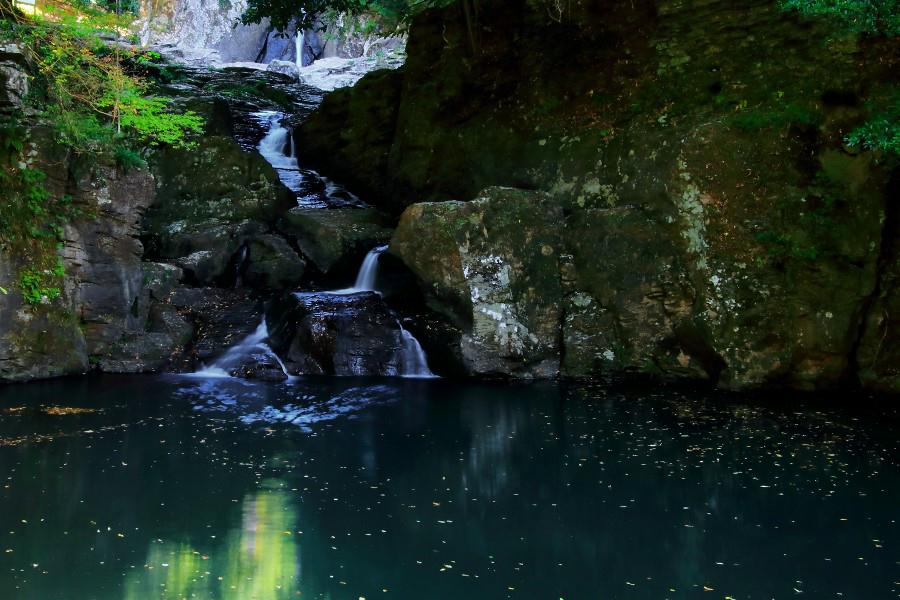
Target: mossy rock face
368	113
37	342
491	266
630	299
218	182
272	264
336	239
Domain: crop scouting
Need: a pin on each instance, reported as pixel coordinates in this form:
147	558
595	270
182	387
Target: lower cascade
413	359
250	356
340	332
312	189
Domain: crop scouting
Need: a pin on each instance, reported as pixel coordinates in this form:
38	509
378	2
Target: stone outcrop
336	239
13	77
491	266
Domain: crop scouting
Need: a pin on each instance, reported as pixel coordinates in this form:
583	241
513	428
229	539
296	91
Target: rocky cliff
693	210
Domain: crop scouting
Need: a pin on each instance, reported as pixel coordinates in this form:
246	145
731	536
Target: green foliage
118	7
90	92
31	221
95	98
128	159
150	123
857	16
882	130
39	287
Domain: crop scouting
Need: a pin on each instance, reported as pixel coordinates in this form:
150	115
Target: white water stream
365	279
254	342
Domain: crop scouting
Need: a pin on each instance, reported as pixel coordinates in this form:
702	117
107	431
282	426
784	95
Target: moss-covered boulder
491	266
218	182
336	239
272	264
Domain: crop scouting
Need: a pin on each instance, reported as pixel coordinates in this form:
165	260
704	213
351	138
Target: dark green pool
164	487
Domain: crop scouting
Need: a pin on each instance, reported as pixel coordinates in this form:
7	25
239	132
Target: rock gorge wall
207	32
686	206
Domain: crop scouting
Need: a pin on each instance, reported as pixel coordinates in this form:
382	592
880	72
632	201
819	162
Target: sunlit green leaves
860	16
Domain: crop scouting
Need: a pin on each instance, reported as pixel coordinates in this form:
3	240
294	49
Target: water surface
145	487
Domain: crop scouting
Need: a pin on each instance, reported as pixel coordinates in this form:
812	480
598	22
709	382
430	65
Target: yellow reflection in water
257	561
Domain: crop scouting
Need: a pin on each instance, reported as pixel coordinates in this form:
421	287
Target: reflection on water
166	487
257	560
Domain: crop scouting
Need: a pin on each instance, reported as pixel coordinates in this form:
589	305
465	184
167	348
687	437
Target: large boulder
336	335
210	193
272	264
491	266
717	225
336	239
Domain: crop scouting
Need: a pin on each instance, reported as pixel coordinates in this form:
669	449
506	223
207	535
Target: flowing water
367	275
136	488
413	359
312	189
256	342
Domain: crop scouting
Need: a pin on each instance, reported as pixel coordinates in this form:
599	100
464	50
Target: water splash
312	189
275	142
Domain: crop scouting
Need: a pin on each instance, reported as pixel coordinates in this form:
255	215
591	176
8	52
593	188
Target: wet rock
336	239
491	266
336	335
272	264
260	365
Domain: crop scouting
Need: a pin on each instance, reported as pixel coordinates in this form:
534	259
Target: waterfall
365	279
242	258
300	41
413	362
232	357
273	145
